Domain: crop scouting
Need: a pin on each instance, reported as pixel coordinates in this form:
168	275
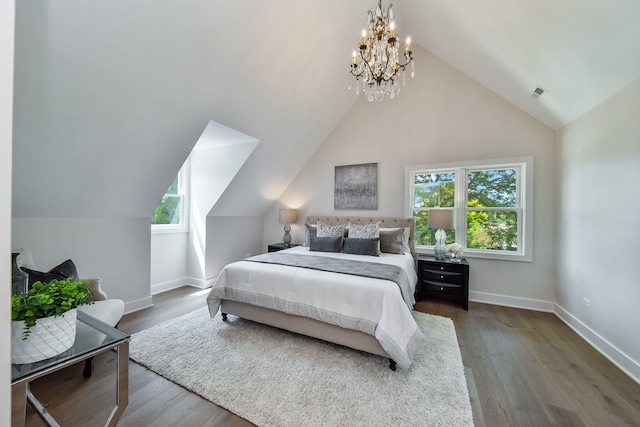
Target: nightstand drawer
442	288
430	273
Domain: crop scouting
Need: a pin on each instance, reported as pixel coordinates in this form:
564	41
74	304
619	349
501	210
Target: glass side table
96	338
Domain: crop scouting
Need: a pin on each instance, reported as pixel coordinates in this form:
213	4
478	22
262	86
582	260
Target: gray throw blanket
374	270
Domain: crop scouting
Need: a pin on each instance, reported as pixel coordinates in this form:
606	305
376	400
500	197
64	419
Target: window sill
502	256
168	230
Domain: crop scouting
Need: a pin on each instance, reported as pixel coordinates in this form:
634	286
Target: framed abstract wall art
356	186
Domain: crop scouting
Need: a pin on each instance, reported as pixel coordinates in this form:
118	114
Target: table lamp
440	219
287	216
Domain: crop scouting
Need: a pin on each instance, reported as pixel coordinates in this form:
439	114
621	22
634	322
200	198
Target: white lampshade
440	219
288	216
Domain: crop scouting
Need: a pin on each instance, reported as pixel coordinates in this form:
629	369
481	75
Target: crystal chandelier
377	67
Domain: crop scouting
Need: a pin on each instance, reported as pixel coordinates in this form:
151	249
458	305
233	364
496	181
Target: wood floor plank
523	368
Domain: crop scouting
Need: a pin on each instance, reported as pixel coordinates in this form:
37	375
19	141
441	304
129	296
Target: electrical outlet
586	301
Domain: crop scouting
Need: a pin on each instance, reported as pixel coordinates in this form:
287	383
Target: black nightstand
443	279
275	247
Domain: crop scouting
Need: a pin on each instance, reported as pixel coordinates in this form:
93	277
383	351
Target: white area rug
276	378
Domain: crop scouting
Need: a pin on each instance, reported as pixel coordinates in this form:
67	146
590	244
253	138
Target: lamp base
440	248
440	251
287	236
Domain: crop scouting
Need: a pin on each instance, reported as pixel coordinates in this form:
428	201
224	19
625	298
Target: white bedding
373	306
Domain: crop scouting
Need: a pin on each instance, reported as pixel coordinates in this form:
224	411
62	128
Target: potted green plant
44	319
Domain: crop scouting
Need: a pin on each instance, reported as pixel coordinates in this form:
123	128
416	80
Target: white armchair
107	310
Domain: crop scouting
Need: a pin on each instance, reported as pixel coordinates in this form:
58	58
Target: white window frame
524	204
183	192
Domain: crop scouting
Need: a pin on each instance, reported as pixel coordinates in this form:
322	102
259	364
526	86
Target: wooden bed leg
224	316
392	364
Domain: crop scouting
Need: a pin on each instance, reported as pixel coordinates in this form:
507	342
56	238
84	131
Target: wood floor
523	368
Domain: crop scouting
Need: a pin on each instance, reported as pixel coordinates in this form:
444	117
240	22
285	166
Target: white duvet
373	306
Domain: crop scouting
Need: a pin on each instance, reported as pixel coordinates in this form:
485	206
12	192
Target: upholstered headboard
385	222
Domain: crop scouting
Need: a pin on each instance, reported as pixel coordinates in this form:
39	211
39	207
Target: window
491	202
171	213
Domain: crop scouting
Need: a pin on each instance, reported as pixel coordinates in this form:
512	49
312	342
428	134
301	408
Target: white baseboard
137	305
526	303
166	286
608	350
184	281
201	283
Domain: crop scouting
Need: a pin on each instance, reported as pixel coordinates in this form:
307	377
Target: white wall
230	239
444	116
168	261
215	161
599	171
7	23
116	249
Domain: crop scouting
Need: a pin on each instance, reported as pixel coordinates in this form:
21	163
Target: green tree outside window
169	210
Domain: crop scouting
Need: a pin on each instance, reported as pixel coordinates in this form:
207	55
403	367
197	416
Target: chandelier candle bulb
408	44
364	37
392	26
354	57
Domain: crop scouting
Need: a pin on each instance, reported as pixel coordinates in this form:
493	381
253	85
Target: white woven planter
49	337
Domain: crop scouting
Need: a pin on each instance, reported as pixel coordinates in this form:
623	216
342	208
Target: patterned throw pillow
367	231
325	230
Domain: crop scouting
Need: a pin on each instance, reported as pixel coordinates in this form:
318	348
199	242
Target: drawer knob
441	268
442	277
441	288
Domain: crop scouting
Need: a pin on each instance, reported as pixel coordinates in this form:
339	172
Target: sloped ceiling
110	96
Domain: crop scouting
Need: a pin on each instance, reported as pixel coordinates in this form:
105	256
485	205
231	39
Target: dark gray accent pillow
40	276
325	244
61	271
360	246
67	269
391	241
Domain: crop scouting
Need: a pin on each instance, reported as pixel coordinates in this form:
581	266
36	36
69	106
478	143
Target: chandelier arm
409	61
365	61
388	9
357	76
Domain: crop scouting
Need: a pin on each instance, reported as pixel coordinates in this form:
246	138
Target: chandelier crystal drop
377	67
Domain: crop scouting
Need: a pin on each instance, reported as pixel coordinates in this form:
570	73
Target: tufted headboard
385	222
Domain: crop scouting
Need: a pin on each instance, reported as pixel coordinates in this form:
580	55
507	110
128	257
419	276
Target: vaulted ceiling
111	96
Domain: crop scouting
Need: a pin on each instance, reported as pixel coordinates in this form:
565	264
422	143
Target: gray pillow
310	230
325	244
391	241
360	246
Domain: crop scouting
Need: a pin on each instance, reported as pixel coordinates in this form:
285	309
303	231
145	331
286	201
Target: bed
370	314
